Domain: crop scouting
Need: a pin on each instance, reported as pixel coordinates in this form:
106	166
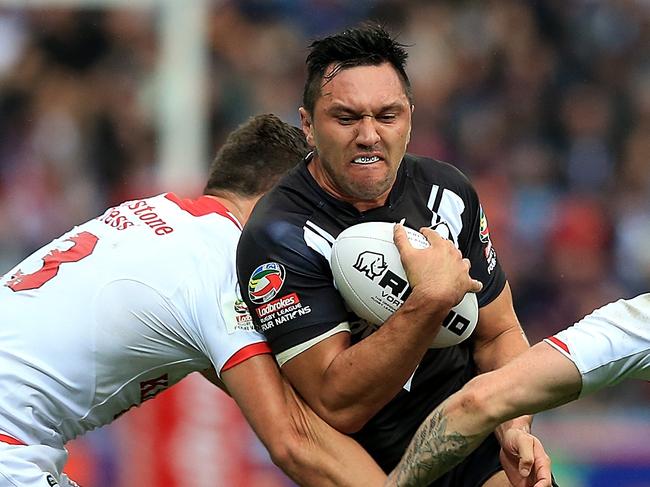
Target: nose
367	134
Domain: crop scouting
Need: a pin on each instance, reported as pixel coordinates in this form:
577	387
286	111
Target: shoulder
281	214
432	171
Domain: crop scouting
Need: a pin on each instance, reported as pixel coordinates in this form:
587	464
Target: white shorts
32	466
609	345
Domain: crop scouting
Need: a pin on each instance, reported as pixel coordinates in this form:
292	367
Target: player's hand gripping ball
369	275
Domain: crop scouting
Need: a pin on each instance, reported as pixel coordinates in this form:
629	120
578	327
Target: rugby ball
369	275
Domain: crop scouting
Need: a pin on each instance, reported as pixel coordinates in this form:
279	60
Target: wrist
424	304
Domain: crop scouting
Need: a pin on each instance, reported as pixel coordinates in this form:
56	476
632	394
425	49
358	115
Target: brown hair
367	45
255	156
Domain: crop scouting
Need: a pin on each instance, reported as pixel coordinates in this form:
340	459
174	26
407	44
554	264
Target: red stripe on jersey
203	205
10	440
560	344
245	353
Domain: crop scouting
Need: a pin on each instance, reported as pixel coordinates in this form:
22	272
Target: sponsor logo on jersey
265	282
484	236
281	310
51	481
277	305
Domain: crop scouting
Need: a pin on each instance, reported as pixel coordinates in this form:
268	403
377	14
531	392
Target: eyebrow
341	108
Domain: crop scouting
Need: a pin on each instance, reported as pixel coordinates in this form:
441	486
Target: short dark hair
367	45
255	156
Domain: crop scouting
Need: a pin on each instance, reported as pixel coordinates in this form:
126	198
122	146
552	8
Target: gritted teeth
366	159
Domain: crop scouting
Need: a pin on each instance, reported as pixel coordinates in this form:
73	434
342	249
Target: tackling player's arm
348	384
311	452
539	379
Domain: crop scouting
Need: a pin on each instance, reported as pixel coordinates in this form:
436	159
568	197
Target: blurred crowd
545	105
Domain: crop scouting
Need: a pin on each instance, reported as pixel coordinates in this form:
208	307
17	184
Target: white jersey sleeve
609	345
117	310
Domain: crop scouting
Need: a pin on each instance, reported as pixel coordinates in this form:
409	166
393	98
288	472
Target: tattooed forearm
432	452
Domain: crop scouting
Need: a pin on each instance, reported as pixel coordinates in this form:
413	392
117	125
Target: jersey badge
243	319
236	315
265	282
484	236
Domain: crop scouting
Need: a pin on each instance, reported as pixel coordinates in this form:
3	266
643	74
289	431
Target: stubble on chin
368	190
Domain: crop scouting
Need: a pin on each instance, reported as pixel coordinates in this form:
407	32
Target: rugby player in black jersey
379	385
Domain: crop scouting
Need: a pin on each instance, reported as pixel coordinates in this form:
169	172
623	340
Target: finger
526	452
430	234
545	482
542	467
475	285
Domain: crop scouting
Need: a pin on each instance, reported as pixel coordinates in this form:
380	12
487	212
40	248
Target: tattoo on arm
432	452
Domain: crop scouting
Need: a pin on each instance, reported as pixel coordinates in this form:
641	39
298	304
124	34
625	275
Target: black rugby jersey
286	280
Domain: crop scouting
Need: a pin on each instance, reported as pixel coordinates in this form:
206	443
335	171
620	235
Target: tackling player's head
255	156
368	45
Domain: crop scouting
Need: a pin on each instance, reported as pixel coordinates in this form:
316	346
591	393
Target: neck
240	206
315	168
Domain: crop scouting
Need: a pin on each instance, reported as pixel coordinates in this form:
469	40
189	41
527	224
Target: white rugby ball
369	275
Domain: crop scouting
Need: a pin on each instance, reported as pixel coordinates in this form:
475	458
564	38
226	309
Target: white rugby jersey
117	310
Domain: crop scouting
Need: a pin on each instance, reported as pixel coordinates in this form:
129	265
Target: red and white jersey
117	310
609	345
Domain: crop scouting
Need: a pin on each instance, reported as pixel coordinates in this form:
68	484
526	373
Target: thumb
399	237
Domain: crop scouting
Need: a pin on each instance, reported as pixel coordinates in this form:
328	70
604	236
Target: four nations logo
265	282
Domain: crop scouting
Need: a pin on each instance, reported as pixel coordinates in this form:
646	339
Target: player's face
360	128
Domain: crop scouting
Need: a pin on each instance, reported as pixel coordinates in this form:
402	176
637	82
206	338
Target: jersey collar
203	205
393	197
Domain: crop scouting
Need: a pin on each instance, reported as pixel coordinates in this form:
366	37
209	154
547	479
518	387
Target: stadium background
546	105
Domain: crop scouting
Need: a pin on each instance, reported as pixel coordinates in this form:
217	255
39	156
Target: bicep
307	370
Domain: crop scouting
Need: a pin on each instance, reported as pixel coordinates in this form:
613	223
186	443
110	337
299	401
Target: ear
307	126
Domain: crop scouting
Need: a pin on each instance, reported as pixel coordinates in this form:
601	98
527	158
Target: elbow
284	451
345	412
476	400
347	423
347	420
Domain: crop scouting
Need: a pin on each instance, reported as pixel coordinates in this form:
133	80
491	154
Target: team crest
484	231
484	236
240	307
243	320
265	282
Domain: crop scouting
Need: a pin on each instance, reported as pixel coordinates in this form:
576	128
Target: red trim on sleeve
245	353
10	440
201	206
559	343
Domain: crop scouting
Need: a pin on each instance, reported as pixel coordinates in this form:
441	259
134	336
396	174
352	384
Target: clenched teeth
366	160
